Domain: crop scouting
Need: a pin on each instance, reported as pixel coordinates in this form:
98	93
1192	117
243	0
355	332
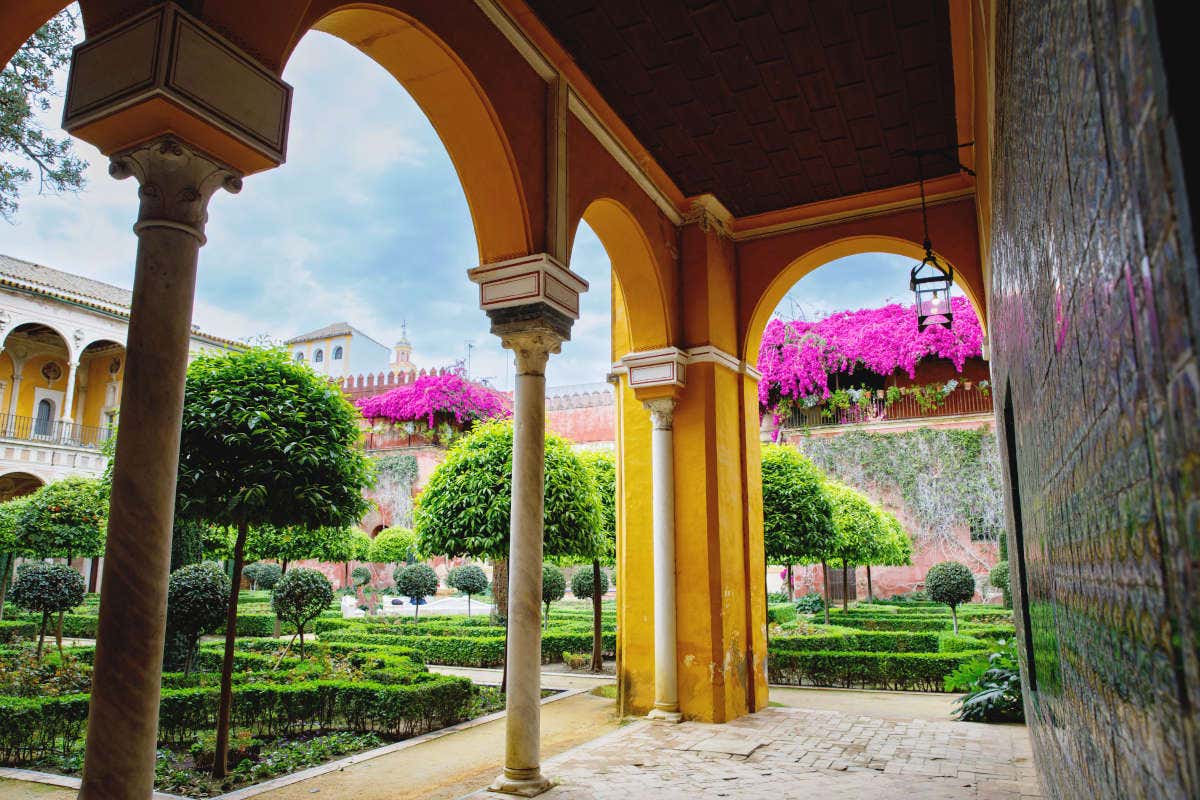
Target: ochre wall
1095	325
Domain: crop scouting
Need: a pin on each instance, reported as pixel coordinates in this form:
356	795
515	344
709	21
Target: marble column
532	345
175	184
18	366
68	402
662	449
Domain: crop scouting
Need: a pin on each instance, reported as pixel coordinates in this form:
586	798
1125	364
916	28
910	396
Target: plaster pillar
175	184
662	448
18	367
68	399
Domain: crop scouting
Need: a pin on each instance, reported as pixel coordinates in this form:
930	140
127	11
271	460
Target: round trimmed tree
11	545
999	577
469	579
300	597
65	519
797	516
554	587
197	595
262	575
582	582
952	583
416	582
857	526
393	546
361	576
48	589
265	441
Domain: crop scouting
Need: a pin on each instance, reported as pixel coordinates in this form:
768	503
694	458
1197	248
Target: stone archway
18	484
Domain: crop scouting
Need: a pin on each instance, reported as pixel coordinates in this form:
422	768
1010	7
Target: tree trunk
468	606
42	635
825	586
9	560
546	617
845	587
58	633
597	632
225	707
954	616
500	590
278	624
301	629
870	591
94	573
791	584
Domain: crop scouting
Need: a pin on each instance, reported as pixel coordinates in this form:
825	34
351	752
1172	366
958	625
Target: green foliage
554	584
361	576
581	583
267	441
298	542
65	519
197	596
780	613
47	588
857	526
811	603
416	582
999	578
469	579
964	464
10	529
896	671
263	575
950	582
464	509
26	86
300	596
392	545
400	468
603	468
187	543
992	686
797	514
12	630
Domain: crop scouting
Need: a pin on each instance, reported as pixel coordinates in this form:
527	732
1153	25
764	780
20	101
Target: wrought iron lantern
930	282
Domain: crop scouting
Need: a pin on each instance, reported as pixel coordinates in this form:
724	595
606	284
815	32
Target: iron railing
961	401
45	431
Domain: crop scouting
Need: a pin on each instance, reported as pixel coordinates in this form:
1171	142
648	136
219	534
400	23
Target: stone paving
799	753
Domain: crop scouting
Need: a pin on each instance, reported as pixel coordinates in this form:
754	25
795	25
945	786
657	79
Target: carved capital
175	184
662	412
710	215
532	345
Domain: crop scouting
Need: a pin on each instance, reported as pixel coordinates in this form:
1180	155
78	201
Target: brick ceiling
770	103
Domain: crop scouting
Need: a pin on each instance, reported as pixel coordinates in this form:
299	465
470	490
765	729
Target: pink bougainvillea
796	358
436	399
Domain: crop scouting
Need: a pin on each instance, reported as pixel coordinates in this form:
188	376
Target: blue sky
366	223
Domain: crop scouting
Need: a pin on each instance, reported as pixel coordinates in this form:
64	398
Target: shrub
992	685
811	603
197	600
952	583
393	544
263	575
48	588
469	579
554	586
919	671
361	576
776	597
416	582
13	629
999	578
300	596
581	584
780	613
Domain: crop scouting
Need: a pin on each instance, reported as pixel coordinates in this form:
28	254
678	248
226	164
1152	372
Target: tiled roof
65	284
336	329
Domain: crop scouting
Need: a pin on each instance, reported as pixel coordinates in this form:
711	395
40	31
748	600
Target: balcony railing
961	401
393	440
46	431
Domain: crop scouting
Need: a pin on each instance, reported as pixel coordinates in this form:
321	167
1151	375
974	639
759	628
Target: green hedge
779	613
949	643
869	641
13	629
910	671
473	651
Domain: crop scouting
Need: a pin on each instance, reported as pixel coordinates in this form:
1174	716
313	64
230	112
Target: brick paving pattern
791	752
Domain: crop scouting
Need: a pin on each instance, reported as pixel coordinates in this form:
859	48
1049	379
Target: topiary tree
950	582
263	575
197	595
857	524
603	469
11	547
583	581
797	516
361	576
393	545
265	441
65	519
299	597
469	579
416	582
50	589
554	586
999	577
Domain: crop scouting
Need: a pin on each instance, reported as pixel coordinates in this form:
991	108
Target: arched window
45	414
337	353
299	355
318	356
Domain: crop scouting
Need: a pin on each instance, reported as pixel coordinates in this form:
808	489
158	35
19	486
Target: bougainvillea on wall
796	358
435	400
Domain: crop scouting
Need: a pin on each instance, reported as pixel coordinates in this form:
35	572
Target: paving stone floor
799	753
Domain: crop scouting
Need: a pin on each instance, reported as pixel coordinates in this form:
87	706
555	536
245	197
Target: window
318	356
337	353
299	355
45	413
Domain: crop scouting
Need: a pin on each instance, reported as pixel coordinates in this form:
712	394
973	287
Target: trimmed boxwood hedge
13	629
472	651
779	613
911	671
872	641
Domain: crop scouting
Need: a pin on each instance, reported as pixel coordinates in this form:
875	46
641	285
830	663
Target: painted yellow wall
98	376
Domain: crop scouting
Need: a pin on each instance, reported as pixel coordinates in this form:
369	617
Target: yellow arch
819	257
635	272
459	111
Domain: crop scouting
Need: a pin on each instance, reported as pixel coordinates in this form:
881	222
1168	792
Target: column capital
532	343
175	184
662	412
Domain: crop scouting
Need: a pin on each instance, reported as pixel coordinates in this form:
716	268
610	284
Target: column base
663	715
521	787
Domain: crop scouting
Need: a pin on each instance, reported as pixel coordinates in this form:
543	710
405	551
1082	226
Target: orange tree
265	441
797	518
604	475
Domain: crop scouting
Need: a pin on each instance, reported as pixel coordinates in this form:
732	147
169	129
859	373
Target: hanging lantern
930	282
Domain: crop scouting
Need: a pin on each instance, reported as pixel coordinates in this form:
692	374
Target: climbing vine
946	477
396	475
